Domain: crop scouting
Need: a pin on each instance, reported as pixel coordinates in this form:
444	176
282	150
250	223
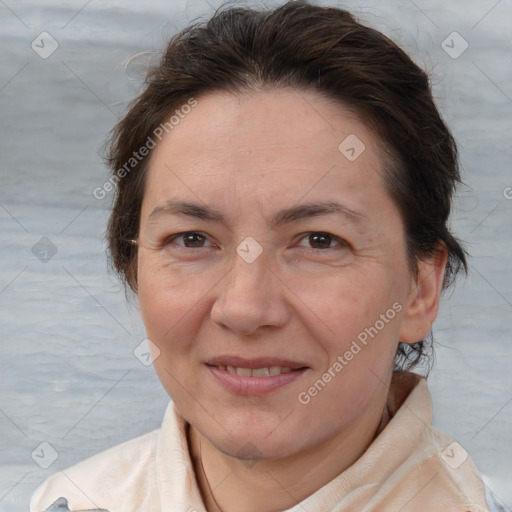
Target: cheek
169	311
165	295
174	303
355	320
341	304
163	304
359	347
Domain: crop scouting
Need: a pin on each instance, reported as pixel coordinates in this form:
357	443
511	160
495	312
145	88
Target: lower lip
254	386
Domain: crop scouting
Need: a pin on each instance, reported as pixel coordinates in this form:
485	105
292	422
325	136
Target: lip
254	386
260	362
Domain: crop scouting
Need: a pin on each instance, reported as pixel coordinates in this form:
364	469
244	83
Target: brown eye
194	239
321	241
190	239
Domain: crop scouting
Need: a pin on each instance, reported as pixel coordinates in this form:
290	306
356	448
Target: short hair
311	48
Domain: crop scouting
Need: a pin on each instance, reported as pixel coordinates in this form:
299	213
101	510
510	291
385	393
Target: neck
228	484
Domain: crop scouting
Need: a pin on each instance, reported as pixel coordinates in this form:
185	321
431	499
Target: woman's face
317	289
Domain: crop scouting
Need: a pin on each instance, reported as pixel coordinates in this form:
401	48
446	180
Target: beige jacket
409	467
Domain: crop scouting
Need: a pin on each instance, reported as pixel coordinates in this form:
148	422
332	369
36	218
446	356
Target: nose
250	296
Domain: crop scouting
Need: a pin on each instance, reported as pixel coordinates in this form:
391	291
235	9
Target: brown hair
323	49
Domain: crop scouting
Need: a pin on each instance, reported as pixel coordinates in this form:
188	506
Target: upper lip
259	362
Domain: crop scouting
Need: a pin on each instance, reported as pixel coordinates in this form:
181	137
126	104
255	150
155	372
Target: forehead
268	120
266	146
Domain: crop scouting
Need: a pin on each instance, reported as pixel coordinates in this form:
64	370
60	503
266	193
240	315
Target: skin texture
248	156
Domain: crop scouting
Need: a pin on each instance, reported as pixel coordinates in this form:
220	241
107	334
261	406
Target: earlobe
422	305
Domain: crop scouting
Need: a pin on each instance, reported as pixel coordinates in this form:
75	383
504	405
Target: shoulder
123	475
453	472
427	469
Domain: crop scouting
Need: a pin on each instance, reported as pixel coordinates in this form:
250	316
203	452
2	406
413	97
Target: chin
250	448
243	437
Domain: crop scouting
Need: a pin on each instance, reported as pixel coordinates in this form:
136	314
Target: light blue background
68	375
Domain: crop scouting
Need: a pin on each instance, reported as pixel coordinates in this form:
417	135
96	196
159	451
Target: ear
423	301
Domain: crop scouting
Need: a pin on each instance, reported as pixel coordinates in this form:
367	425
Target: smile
255	372
260	381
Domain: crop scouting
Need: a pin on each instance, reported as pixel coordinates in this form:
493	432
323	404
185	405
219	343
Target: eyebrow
281	217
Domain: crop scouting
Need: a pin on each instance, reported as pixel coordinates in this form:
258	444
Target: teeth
275	370
243	372
255	372
260	372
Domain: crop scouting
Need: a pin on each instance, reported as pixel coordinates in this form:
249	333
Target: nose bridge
249	294
248	278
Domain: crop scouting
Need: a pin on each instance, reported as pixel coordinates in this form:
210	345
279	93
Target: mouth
257	367
255	376
266	371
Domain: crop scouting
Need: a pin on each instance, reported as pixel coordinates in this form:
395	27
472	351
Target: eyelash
334	238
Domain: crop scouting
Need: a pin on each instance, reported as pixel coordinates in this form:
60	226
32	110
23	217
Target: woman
284	185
